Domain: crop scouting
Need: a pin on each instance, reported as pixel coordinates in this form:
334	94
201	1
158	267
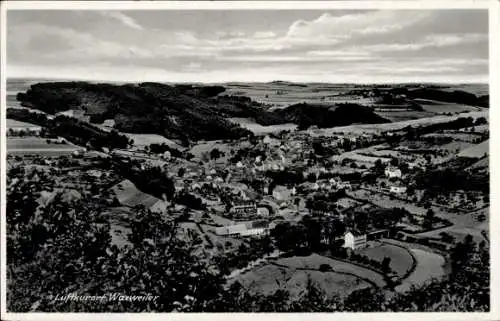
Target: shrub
325	267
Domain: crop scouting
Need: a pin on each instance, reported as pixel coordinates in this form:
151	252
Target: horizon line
131	81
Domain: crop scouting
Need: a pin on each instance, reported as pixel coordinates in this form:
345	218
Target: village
355	202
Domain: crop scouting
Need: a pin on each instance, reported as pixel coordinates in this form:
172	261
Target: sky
336	46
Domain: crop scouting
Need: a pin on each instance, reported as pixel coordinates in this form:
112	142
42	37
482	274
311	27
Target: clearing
429	265
401	259
269	278
476	151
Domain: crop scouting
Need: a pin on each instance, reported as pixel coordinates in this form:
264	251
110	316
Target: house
354	241
262	211
398	189
160	206
254	231
244	207
393	172
282	193
109	123
249	229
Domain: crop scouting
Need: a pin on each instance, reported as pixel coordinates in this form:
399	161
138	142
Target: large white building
240	229
393	172
231	229
354	241
398	189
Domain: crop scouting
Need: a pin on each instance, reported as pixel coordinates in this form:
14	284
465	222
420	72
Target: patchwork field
284	94
377	128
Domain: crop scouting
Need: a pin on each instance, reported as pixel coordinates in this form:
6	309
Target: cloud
264	34
49	43
344	26
123	18
312	46
436	41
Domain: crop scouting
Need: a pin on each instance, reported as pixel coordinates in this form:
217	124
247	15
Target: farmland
127	194
476	151
292	274
142	140
314	261
401	259
35	145
429	265
378	128
317	204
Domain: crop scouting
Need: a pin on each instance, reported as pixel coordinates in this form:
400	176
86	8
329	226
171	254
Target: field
476	151
465	224
314	261
128	195
439	107
377	128
401	259
258	129
429	265
395	115
284	94
483	163
35	145
384	201
269	278
142	140
21	124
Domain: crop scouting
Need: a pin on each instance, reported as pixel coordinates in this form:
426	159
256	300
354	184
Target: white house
282	193
398	189
354	241
262	211
109	123
244	207
393	172
240	229
253	231
231	229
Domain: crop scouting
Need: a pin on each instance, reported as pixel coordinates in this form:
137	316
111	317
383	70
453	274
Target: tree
215	154
429	218
364	300
385	266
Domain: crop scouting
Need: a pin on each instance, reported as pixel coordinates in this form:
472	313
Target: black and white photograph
226	159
